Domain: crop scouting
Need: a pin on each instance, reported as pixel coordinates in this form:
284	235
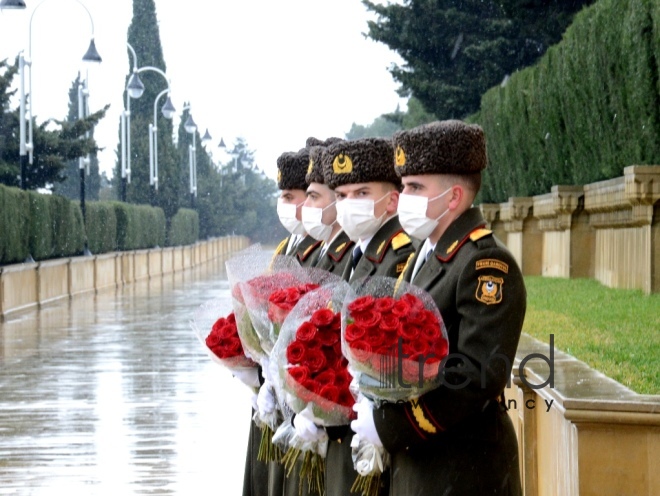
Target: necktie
357	255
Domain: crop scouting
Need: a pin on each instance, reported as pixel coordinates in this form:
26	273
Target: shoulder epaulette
280	247
477	234
400	240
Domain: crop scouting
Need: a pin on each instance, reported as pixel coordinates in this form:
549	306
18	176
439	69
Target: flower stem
268	452
368	485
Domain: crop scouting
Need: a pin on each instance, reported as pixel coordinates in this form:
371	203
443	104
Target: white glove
248	376
266	400
306	428
364	425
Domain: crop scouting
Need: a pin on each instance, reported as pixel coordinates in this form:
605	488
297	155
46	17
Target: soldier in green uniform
367	190
458	438
291	171
319	215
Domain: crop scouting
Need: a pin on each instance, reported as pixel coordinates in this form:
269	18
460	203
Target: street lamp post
135	89
191	128
168	112
27	144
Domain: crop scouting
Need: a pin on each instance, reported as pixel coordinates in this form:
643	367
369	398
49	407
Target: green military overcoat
458	438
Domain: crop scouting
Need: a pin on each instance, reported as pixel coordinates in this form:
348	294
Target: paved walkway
114	395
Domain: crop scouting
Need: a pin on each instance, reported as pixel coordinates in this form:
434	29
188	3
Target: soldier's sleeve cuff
403	426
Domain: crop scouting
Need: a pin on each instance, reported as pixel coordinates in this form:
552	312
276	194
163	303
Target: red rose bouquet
312	376
394	339
219	335
270	301
250	273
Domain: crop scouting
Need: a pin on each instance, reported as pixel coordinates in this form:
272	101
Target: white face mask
312	220
412	215
287	214
358	219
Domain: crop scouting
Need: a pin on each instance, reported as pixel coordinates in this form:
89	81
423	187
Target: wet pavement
114	394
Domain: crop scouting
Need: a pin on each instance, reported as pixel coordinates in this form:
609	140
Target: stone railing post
523	239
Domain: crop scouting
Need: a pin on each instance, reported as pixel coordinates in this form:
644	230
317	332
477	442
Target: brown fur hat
314	170
359	161
440	147
291	169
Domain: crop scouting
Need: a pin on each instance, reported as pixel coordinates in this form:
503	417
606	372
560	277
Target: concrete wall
24	286
596	437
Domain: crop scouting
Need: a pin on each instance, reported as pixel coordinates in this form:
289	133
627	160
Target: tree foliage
52	147
454	50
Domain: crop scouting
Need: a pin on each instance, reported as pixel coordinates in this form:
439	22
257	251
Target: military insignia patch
279	176
489	290
340	248
491	263
400	240
400	267
452	247
310	167
380	248
400	156
342	164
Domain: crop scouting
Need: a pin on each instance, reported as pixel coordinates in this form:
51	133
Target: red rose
345	398
328	337
408	332
292	295
343	379
306	332
221	322
322	317
420	347
277	297
400	308
295	352
312	386
431	318
389	323
374	337
366	319
231	318
212	339
386	350
314	343
431	332
299	373
329	392
360	350
330	355
414	302
314	359
361	304
328	376
384	304
441	348
227	331
337	348
336	321
353	333
416	317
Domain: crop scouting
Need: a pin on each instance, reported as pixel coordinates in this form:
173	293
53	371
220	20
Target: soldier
367	190
457	438
319	216
291	171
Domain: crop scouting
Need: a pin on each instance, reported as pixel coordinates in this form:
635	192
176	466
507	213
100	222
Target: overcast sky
273	72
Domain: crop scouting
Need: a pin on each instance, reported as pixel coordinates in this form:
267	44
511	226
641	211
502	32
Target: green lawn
615	331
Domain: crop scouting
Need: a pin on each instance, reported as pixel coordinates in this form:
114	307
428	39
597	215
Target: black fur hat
440	147
314	169
291	169
359	161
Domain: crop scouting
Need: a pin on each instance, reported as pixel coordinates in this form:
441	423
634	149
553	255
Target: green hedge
51	226
101	227
40	226
14	225
139	226
68	230
589	108
184	228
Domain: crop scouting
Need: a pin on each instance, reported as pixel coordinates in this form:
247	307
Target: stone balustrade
609	230
24	286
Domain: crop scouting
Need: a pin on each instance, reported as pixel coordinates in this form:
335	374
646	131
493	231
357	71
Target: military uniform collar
339	246
458	233
378	245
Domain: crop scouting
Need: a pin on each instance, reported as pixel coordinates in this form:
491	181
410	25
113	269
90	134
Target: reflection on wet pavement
113	394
